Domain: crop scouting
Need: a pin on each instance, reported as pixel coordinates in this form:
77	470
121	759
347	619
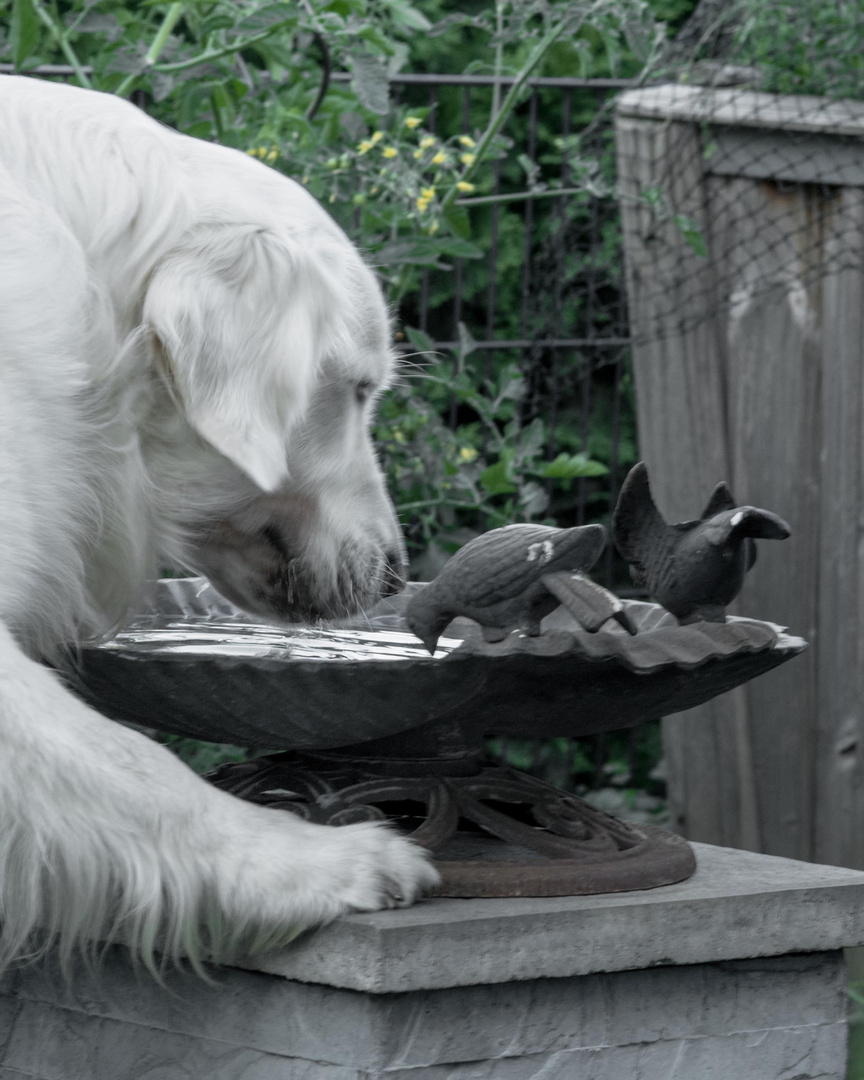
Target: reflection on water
187	617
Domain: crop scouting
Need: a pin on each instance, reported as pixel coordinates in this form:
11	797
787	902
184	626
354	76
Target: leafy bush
806	47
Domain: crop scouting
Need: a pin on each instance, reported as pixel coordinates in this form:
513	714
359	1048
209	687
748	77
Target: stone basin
193	664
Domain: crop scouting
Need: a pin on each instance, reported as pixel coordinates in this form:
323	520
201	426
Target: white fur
189	353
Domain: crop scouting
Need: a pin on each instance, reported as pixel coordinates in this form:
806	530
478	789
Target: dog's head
276	349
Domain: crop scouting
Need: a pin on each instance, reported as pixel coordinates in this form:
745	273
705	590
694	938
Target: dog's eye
362	390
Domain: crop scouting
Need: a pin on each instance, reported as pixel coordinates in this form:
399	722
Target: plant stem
548	193
217	54
62	40
499	57
426	503
496	121
172	17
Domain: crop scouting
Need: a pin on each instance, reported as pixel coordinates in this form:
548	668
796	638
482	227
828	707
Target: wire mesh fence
548	296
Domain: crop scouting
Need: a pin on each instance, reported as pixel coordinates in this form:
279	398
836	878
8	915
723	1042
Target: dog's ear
238	316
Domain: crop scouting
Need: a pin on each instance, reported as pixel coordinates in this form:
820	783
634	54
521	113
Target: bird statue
695	568
513	577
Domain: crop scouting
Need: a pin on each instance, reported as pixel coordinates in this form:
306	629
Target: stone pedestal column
736	973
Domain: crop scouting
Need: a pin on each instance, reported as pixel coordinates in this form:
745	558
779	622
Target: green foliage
402	182
202	756
624	760
805	47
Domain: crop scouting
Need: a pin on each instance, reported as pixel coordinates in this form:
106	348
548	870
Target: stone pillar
736	973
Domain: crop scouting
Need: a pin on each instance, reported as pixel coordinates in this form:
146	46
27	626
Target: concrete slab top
737	905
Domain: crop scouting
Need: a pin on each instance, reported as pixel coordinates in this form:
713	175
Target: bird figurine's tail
589	603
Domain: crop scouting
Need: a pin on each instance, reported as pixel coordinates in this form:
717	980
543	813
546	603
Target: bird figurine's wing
501	564
640	534
721	499
745	522
589	603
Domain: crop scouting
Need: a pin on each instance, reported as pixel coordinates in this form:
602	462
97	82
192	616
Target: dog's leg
105	834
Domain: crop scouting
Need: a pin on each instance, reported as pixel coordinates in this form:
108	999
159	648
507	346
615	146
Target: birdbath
367	725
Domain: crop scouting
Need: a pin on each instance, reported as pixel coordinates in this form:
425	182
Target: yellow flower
468	159
262	152
332	198
463	185
422	204
466	140
390	151
439	158
426	142
252	152
467	453
305	179
433	228
377	136
274	153
418	154
427	192
412	122
373	190
365	146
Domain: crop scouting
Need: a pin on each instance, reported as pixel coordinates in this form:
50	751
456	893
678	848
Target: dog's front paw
382	869
286	875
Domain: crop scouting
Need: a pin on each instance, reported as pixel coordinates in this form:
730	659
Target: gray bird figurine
695	568
512	578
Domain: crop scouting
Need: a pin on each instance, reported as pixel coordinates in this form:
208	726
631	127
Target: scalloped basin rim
564	682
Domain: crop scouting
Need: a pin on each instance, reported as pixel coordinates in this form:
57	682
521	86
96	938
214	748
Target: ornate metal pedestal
378	729
494	831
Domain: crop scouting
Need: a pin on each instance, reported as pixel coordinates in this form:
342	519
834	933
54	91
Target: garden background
467	148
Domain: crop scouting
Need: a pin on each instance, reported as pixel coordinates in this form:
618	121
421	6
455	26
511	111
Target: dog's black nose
395	572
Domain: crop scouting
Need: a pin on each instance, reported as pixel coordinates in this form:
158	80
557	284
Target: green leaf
568	467
219	20
498	478
163	83
692	233
377	40
266	17
23	30
531	438
420	339
369	81
95	22
458	220
467	344
533	499
405	15
347	7
424	250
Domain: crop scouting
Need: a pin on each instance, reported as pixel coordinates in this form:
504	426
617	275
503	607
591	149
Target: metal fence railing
550	293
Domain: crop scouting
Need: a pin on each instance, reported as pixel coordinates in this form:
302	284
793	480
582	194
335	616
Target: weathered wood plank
770	244
678	374
679	371
782	155
779	765
839	794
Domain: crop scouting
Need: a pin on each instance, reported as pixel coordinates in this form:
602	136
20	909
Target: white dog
190	351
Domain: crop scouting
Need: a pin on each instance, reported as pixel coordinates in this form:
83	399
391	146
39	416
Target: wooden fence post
748	367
